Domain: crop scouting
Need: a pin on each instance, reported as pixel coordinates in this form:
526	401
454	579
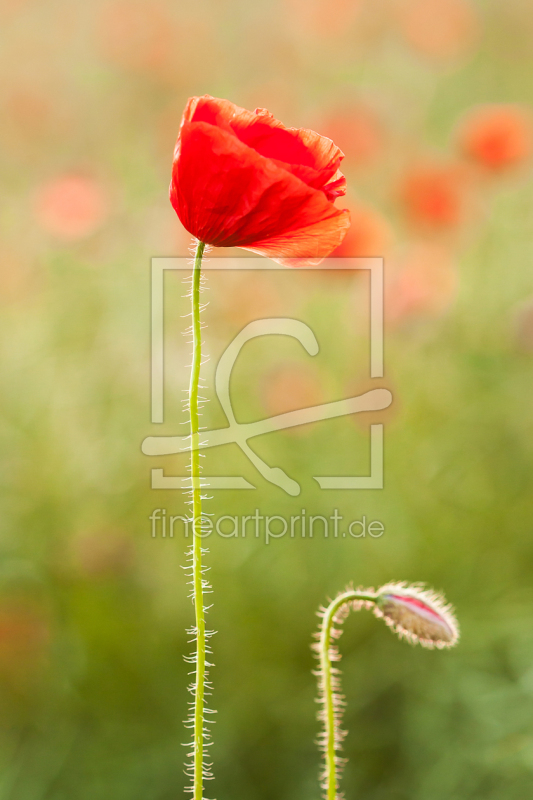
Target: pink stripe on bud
417	614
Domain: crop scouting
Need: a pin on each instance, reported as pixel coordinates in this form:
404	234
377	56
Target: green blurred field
92	609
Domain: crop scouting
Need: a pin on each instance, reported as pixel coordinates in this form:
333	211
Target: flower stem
197	580
329	686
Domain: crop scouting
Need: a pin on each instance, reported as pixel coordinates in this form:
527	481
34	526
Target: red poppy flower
241	179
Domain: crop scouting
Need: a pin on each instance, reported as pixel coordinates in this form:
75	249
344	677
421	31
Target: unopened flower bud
417	614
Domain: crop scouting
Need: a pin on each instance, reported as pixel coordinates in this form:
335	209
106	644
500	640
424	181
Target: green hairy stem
197	769
329	685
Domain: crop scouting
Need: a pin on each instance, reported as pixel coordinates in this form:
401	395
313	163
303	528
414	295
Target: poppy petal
313	158
317	241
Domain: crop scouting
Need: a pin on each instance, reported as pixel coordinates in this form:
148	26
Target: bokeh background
431	102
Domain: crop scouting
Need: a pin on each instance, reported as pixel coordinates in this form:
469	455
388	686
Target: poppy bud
417	614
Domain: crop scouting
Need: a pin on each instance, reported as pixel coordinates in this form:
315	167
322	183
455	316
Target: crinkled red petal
313	158
227	194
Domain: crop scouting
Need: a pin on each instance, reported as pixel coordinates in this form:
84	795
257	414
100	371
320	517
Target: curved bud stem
329	684
417	614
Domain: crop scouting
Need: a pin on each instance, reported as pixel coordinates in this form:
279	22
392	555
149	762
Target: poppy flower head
417	614
242	179
497	137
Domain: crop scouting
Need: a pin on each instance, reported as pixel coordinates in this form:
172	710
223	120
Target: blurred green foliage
92	609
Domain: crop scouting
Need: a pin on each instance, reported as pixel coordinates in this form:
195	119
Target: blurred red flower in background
290	387
24	638
497	136
435	195
241	179
241	301
422	283
523	326
439	29
71	206
29	111
369	235
101	553
159	40
324	17
140	36
358	132
9	8
19	279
